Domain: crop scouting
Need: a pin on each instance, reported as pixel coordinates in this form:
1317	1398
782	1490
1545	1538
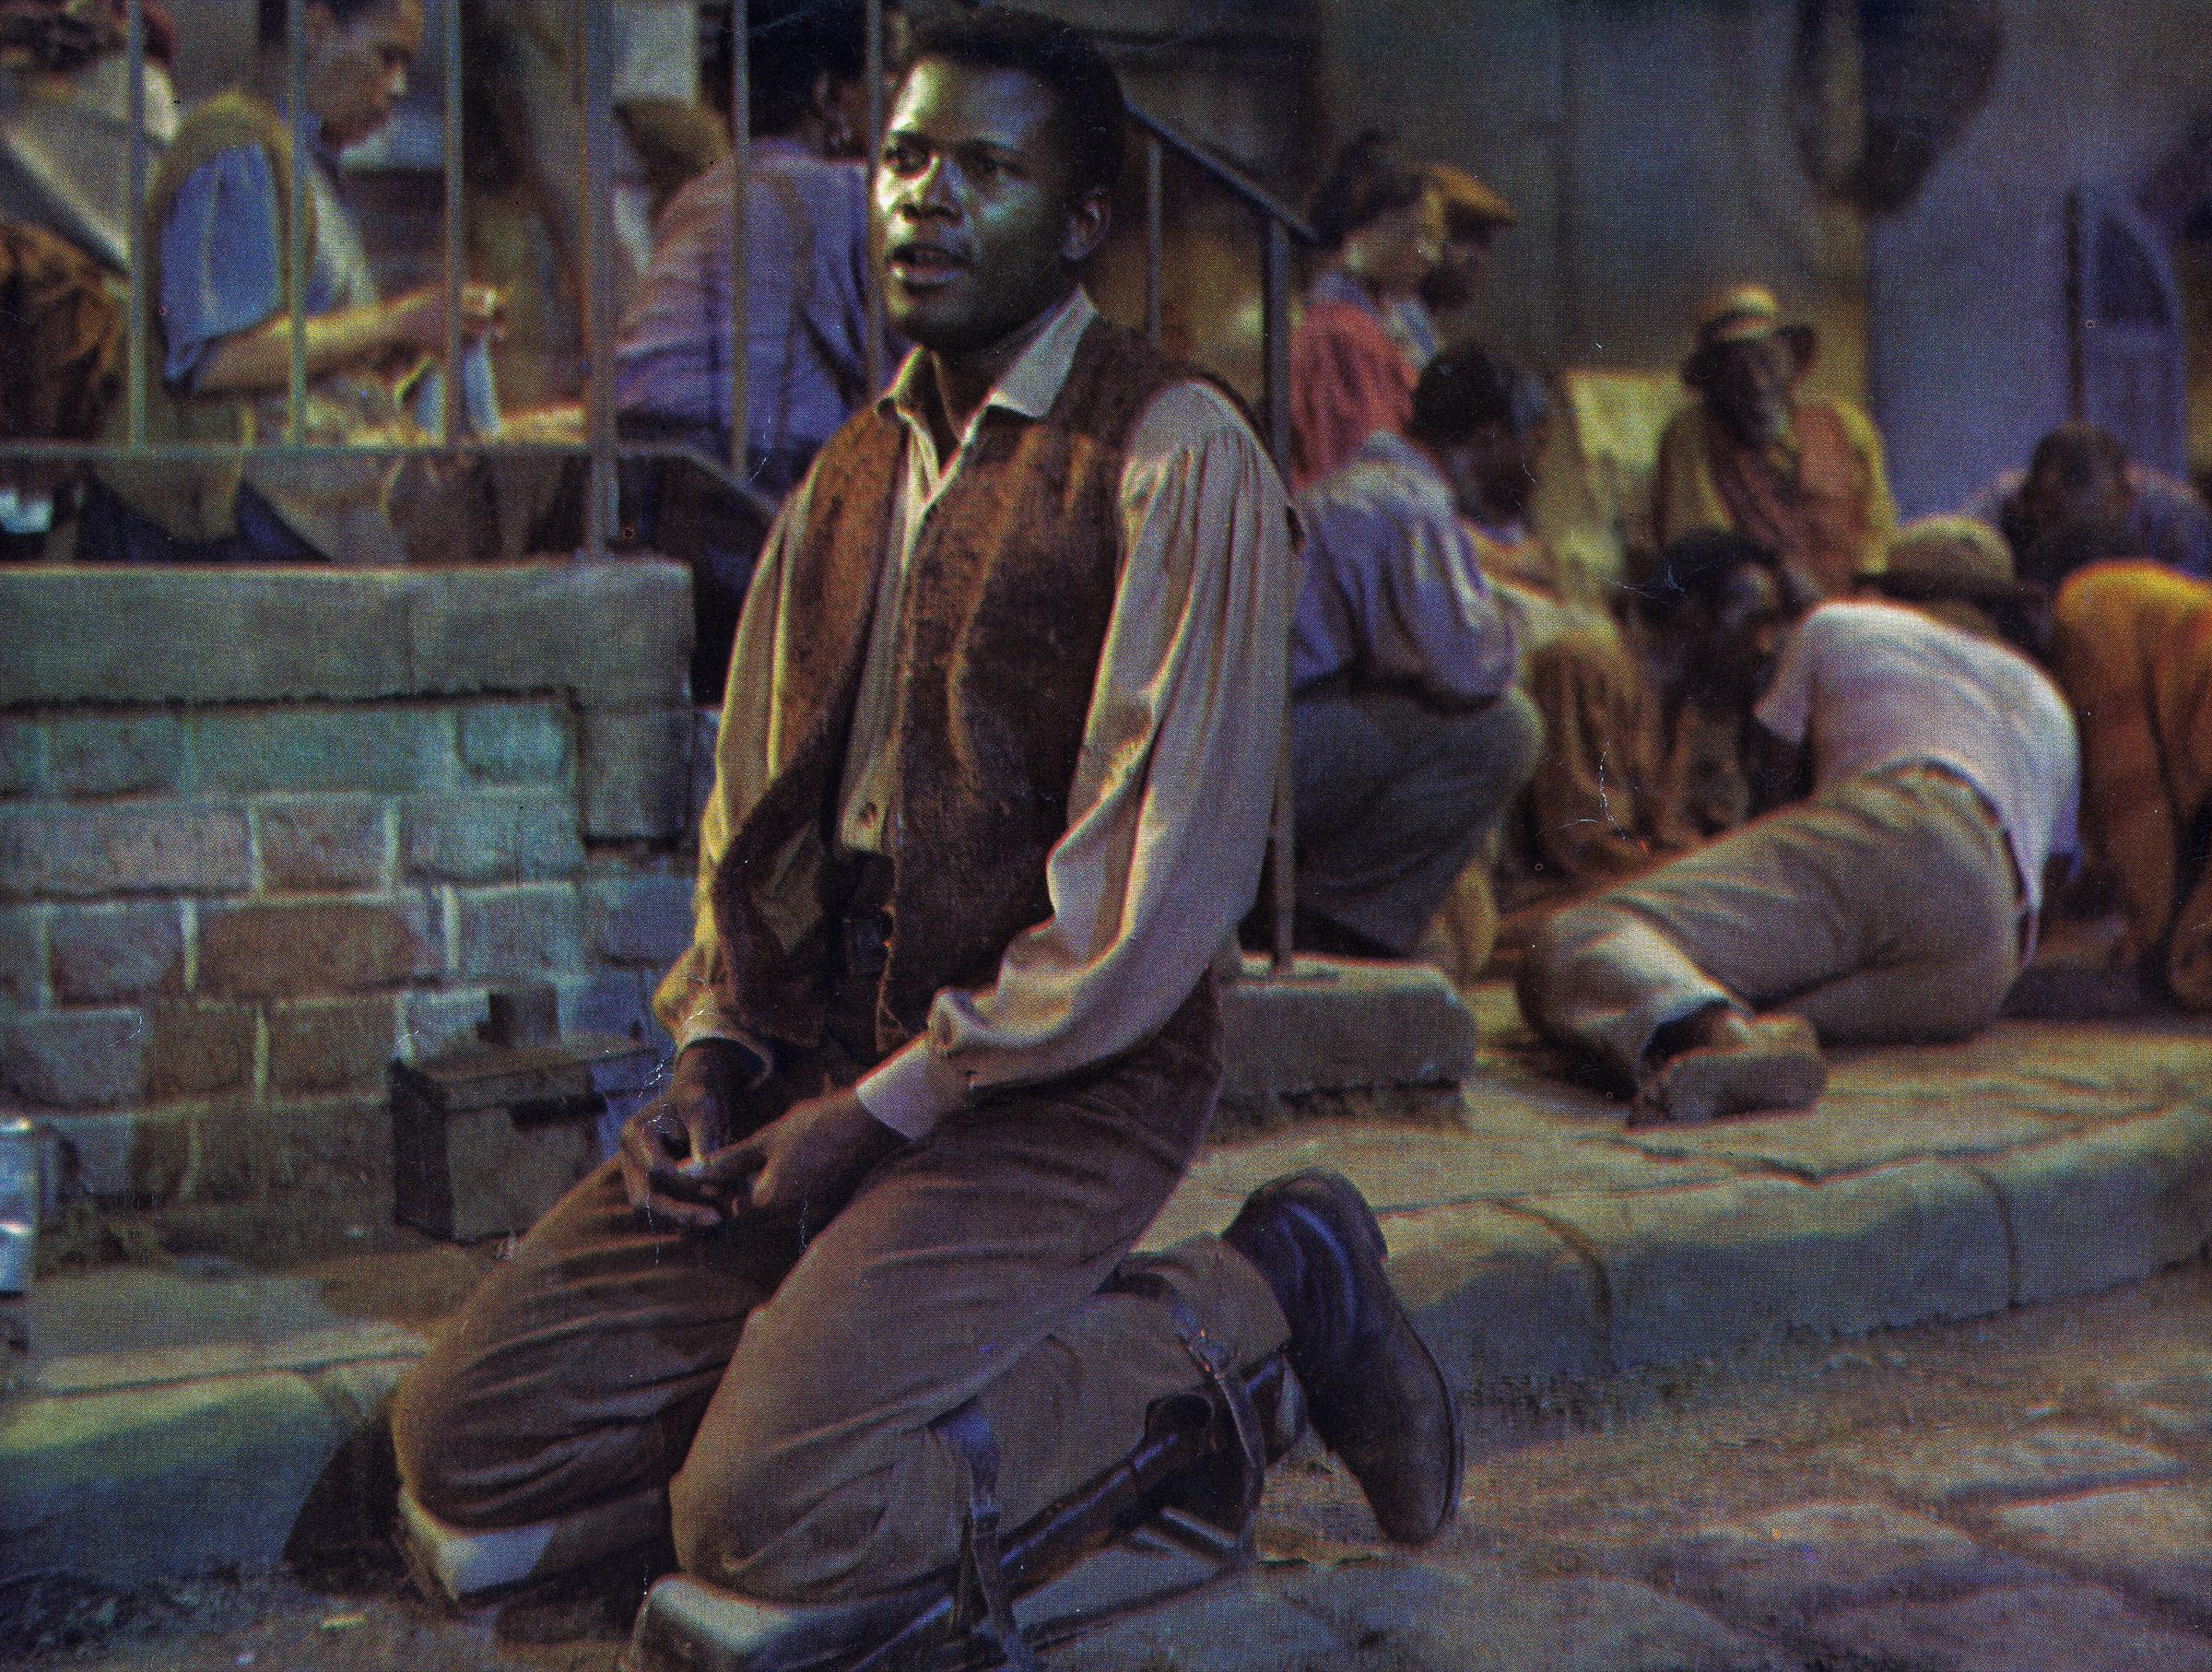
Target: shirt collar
1028	387
1334	285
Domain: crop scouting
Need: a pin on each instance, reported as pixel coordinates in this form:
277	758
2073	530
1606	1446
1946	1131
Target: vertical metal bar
296	253
449	417
134	233
741	266
595	28
2077	316
873	292
1274	334
1155	154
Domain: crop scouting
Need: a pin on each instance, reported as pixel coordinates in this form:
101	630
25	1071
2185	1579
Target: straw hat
1746	313
1955	568
1467	201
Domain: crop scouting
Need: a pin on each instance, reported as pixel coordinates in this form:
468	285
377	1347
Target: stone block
58	850
1231	1630
508	934
617	1002
22	758
2156	1541
97	755
108	952
23	956
316	843
96	1150
1695	1271
2110	1206
311	946
334	1150
1779	1567
331	1044
198	1051
353	747
2009	1628
515	742
159	1482
1336	1023
74	1059
2033	1463
490	836
640	919
635	774
1500	1297
1850	1132
618	634
434	1021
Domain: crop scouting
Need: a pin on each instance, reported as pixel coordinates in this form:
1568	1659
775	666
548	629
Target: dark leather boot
1377	1397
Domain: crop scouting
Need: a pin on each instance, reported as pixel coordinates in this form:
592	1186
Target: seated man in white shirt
1896	902
1408	741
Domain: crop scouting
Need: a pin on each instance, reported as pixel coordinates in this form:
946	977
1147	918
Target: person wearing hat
1751	455
1895	902
2132	646
1474	217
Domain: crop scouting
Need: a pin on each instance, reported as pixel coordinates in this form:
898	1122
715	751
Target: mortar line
1581	1246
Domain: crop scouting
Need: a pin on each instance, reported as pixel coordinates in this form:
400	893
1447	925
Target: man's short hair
1367	180
790	44
274	14
2074	456
1694	569
1093	116
1466	388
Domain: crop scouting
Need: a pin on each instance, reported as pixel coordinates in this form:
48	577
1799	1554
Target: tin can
28	1178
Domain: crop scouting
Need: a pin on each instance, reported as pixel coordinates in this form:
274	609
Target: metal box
485	1137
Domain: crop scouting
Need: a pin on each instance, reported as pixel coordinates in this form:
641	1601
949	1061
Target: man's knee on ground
757	1524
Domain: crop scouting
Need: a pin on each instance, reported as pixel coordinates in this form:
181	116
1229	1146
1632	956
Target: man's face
1749	384
1453	282
2062	502
1734	643
973	226
356	72
1502	471
1395	251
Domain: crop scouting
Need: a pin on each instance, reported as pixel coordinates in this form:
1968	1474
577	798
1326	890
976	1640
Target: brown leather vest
1007	602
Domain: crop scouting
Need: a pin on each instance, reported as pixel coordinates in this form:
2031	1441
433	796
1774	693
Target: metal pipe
297	253
1254	195
449	415
1275	333
1155	154
741	270
871	281
595	26
134	233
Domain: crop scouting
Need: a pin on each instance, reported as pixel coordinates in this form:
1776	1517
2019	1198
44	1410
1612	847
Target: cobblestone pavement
2029	1493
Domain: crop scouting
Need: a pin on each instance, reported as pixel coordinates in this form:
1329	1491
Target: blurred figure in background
1474	217
2080	479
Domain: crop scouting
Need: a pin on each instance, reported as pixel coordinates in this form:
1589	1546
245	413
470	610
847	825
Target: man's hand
809	1161
668	1148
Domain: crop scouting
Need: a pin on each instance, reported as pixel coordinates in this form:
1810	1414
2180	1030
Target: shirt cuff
706	1024
913	1089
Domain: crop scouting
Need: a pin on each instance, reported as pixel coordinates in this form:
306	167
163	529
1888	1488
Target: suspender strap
1215	1362
982	1598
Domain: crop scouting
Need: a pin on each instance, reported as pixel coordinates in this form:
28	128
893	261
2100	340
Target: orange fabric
1347	380
2132	646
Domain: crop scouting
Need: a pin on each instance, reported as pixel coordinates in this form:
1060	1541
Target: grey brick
491	836
23	955
432	1022
618	634
640	919
386	746
317	843
22	757
637	774
315	946
515	742
53	850
198	1051
331	1044
108	952
74	1059
97	755
532	929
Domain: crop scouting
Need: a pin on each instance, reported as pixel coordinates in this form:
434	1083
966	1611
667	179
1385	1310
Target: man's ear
1089	219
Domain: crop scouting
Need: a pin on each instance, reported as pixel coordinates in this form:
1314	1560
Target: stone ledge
1340	1022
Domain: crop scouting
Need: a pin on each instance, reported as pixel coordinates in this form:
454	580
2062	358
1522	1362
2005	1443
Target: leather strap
982	1600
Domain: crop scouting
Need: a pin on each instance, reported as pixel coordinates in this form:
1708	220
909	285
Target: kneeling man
992	786
1896	902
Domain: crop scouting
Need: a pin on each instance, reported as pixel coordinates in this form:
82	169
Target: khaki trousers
782	1388
1886	909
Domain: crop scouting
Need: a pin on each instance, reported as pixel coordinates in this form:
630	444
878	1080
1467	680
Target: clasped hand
678	1163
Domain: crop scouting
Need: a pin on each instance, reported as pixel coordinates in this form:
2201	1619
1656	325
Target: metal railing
602	448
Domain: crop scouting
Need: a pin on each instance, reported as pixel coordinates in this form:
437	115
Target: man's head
2077	482
1474	216
1724	604
357	53
805	63
1382	217
1747	363
1486	423
995	182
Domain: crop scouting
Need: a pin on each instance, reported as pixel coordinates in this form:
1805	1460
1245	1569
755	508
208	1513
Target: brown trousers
783	1389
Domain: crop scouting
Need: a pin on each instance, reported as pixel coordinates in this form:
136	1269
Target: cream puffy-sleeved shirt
1167	812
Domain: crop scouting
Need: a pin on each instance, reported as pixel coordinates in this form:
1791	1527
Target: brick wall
260	831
